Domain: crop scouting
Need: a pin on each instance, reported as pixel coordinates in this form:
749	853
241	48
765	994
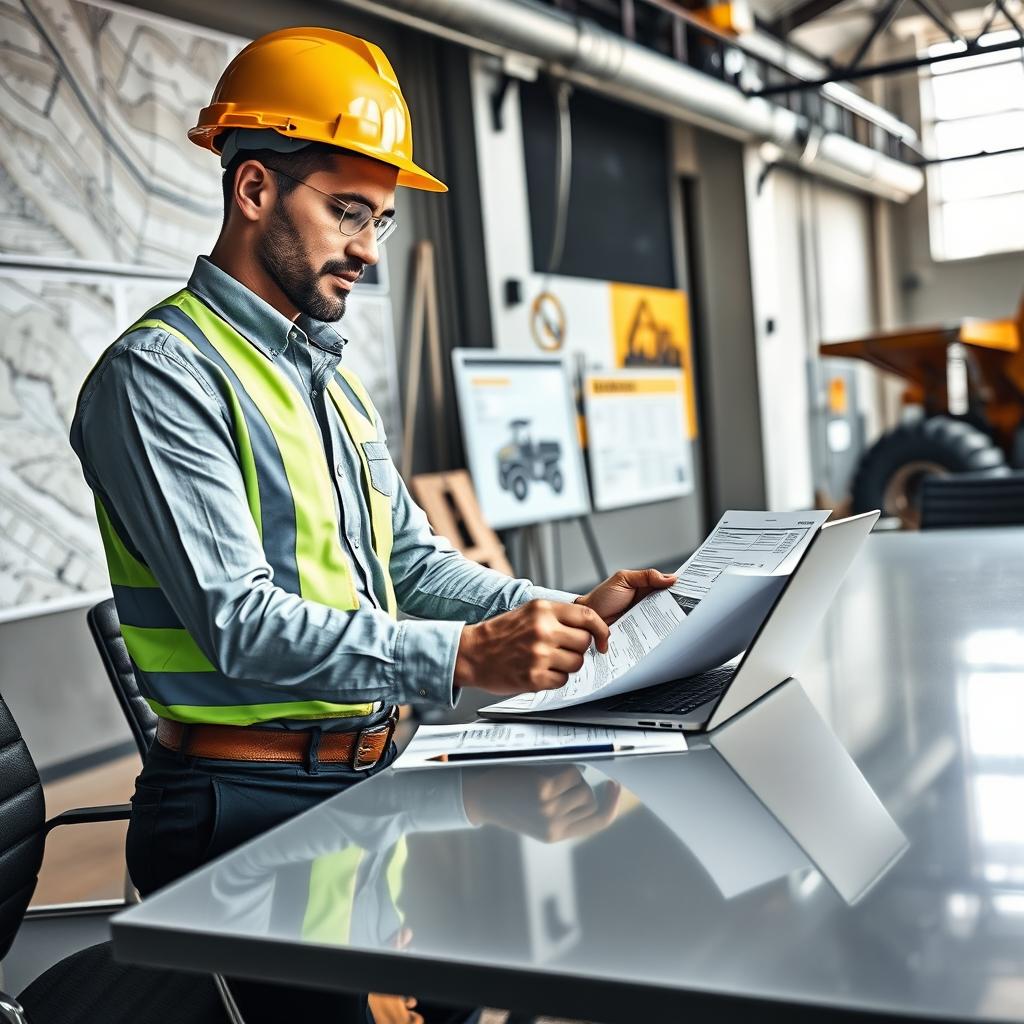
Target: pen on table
477	755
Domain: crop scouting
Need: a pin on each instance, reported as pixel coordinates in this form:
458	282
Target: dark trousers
186	811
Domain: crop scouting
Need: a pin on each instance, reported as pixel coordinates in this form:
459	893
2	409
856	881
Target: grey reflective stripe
355	399
144	607
277	509
208	689
214	690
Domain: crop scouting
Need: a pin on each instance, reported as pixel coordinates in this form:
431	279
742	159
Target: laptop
702	702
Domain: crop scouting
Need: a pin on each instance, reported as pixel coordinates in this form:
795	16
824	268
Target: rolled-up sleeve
156	442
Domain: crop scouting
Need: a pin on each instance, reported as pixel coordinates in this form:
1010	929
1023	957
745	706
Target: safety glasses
355	216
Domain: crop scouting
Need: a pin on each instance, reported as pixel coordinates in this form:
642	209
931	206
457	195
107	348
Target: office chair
106	632
972	499
89	985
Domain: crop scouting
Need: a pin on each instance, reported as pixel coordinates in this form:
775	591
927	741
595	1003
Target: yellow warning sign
651	327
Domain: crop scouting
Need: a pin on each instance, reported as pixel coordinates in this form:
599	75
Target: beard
284	258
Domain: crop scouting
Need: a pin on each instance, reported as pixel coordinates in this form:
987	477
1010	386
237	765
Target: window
976	207
618	226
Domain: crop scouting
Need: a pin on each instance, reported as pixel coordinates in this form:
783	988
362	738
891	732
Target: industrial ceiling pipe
585	53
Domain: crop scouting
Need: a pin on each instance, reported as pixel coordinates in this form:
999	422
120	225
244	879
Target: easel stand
530	560
423	306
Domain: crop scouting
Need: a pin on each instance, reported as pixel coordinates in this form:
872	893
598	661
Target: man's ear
255	190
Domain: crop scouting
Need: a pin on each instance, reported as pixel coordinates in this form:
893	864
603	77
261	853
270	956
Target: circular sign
547	322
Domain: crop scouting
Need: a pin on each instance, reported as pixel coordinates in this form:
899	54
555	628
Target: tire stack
891	471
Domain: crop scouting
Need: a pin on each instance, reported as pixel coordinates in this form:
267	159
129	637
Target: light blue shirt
154	437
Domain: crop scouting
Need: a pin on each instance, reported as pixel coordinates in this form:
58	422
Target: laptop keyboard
678	697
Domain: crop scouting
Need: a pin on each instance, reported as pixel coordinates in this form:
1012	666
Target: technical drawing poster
52	331
636	443
94	108
104	206
521	439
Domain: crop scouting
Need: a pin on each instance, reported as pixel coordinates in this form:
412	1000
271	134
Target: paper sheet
536	740
766	543
724	592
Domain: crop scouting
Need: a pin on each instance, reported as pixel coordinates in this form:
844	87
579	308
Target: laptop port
649	724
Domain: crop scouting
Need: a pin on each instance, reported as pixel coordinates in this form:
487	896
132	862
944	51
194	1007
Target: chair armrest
80	815
10	1010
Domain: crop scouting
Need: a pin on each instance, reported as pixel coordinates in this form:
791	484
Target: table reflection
416	845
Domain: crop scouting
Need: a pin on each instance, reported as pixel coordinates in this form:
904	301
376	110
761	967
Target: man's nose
363	246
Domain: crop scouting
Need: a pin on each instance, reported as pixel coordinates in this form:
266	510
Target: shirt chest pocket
378	460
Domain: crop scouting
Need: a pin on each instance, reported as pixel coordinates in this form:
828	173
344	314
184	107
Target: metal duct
589	55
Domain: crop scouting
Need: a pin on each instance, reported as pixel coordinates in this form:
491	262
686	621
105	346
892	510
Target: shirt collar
254	318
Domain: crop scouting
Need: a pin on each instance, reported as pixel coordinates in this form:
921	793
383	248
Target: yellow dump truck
969	380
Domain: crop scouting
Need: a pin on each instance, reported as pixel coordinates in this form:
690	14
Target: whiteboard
521	439
637	444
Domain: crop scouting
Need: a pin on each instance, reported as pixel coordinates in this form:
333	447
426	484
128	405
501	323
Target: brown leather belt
360	750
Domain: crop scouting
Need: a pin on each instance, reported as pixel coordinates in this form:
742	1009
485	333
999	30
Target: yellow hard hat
322	86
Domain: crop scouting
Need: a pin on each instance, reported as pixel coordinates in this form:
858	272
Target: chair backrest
22	832
972	499
106	631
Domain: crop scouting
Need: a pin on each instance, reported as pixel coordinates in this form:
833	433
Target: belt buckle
358	762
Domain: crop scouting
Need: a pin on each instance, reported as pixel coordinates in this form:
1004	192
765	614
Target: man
259	539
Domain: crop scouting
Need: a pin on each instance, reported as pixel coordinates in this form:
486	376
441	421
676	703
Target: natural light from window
973	105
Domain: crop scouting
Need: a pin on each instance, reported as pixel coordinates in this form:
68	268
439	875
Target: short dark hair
300	164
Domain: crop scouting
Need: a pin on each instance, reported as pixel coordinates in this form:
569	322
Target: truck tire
891	470
517	481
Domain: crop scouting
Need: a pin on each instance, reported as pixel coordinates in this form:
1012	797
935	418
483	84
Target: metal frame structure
684	35
884	16
667	26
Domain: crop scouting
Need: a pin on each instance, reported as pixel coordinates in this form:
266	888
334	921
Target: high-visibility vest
340	882
289	489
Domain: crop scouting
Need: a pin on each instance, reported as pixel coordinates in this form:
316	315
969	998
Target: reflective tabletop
852	843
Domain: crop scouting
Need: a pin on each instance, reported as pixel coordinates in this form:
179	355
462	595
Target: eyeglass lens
358	215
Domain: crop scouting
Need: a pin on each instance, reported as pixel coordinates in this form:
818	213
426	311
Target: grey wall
988	286
55	685
726	351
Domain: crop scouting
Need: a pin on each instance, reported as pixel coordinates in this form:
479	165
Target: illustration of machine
524	460
651	343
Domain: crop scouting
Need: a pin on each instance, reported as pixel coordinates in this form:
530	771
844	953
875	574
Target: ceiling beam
802	13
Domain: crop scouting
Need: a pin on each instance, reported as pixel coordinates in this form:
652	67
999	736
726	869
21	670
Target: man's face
303	248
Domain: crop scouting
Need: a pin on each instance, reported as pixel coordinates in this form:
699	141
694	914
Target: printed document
725	590
532	740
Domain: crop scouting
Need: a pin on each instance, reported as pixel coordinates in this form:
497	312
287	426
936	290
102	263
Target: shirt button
339	469
355	542
423	693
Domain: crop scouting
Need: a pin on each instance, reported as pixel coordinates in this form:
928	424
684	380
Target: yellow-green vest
336	883
289	489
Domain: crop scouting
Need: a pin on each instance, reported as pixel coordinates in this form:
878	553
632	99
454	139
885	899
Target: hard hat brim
410	175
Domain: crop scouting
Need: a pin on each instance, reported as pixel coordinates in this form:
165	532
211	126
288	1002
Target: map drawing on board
94	108
51	333
104	206
370	352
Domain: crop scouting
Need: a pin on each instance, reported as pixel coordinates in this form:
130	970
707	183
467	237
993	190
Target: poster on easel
637	448
521	438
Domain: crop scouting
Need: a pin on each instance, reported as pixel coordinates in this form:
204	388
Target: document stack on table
725	590
494	741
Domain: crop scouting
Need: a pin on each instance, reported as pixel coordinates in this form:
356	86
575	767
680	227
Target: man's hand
620	592
548	803
386	1009
534	647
